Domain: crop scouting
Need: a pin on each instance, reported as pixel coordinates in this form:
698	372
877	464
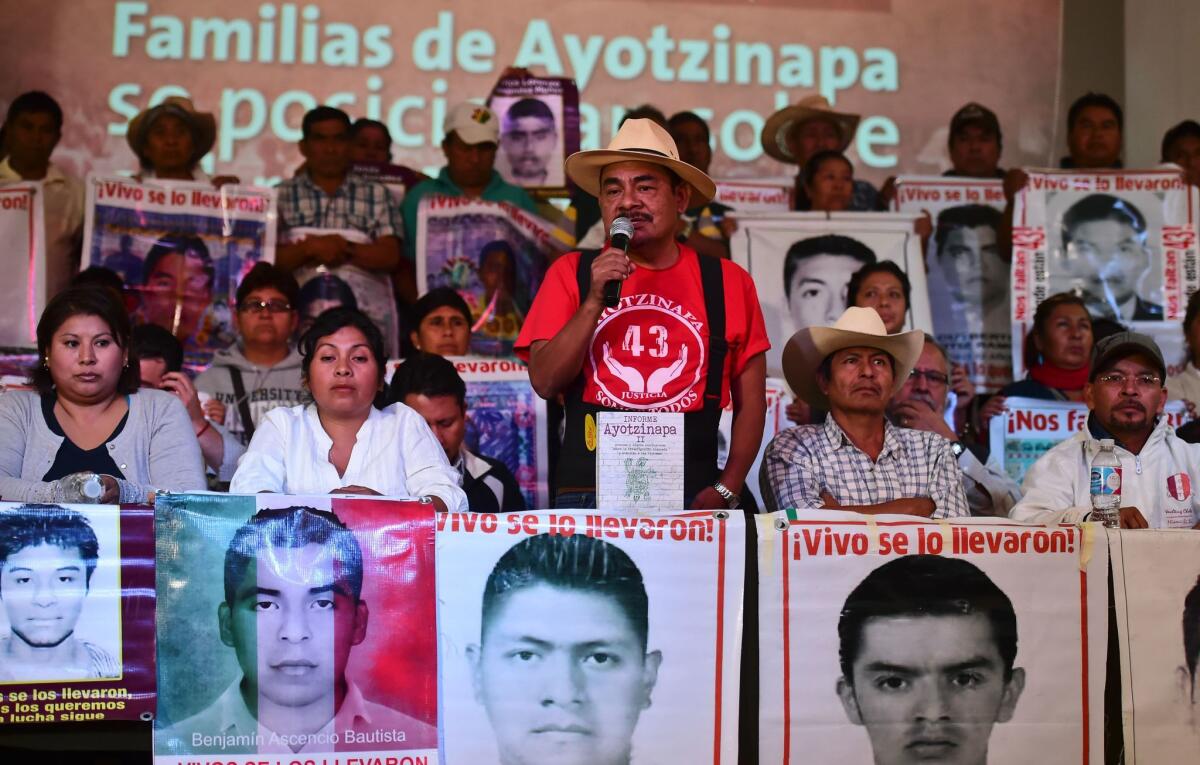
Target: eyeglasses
265	306
1144	381
933	378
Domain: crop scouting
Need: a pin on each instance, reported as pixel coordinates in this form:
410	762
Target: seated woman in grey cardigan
87	415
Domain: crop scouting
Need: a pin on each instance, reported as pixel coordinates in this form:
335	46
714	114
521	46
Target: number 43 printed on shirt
633	341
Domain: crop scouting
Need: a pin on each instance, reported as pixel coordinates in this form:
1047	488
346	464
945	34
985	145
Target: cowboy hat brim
806	349
585	167
778	125
202	124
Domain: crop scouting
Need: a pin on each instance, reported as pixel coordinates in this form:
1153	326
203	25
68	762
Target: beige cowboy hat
777	127
202	125
856	328
636	141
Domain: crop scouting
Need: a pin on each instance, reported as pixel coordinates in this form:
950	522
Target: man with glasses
1125	393
262	370
922	404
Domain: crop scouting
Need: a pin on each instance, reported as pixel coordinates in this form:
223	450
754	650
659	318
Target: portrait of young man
562	666
816	273
1106	259
48	555
528	138
927	647
969	261
292	613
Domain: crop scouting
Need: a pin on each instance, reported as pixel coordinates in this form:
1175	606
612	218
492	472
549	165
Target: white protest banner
23	291
895	639
588	637
295	629
801	264
968	277
76	615
506	420
182	249
493	254
763	195
1029	427
1156	589
1124	240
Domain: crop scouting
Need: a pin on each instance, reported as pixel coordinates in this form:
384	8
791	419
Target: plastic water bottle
1106	485
86	488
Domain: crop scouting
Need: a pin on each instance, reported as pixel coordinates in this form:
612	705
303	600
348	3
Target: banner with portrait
585	637
23	290
801	264
1125	241
1156	595
967	274
76	613
1030	427
539	129
297	626
181	249
894	639
494	254
757	195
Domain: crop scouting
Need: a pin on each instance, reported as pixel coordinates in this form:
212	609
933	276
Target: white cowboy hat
778	125
636	141
856	328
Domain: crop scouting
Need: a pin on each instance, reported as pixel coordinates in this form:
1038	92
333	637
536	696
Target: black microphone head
622	226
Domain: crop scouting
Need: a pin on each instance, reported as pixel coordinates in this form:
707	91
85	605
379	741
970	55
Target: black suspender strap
712	281
243	403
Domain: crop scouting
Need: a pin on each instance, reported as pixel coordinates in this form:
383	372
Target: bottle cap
1107	443
92	488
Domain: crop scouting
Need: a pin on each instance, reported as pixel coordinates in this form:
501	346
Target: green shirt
497	190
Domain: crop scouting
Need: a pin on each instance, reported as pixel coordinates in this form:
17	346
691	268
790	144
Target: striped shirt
803	461
359	204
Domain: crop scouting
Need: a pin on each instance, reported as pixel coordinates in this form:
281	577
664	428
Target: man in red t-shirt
654	351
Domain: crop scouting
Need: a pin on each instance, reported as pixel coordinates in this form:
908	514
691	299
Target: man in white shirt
292	613
1125	394
921	405
32	129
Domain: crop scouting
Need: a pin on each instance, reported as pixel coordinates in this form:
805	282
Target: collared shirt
359	204
62	216
805	460
91	662
497	190
395	454
228	726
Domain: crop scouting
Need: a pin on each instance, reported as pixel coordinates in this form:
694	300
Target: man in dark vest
686	336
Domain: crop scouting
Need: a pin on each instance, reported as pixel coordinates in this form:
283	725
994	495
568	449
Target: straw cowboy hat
778	125
856	328
202	125
636	141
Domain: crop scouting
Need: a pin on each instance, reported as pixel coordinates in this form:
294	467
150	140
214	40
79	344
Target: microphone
619	235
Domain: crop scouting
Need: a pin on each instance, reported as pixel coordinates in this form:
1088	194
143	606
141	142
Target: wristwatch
732	501
958	448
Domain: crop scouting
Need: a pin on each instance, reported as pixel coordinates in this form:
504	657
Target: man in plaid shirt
857	460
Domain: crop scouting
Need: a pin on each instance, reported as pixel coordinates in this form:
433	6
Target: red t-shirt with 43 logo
650	353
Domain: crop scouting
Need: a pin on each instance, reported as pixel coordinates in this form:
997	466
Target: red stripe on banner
787	659
31	282
1083	631
720	638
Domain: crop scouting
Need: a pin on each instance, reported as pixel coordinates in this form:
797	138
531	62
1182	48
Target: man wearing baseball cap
1125	393
975	143
472	134
857	460
686	333
806	128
